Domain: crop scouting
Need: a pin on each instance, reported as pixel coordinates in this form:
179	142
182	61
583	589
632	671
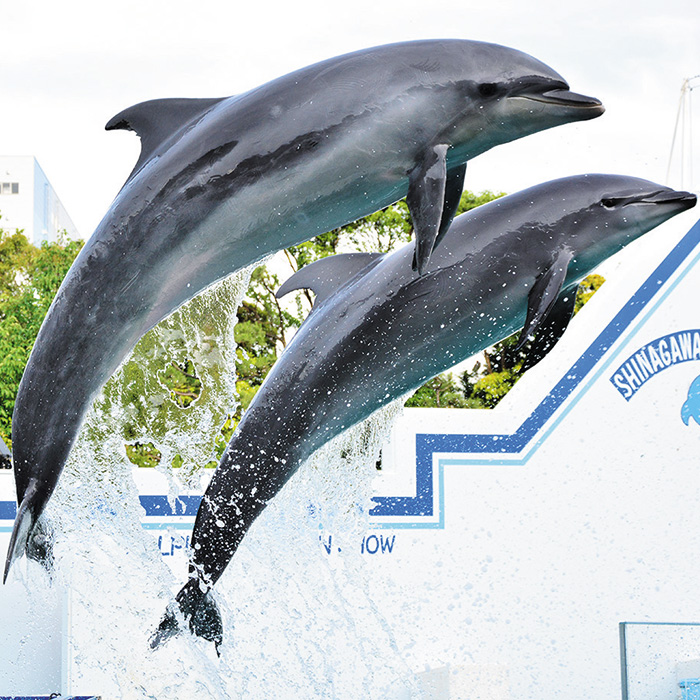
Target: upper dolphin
221	183
379	330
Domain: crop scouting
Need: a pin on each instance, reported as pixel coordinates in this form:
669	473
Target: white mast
683	132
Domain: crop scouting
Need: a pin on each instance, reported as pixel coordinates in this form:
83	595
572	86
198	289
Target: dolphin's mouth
561	97
686	200
671	197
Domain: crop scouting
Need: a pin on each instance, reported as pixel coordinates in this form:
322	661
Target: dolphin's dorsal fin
155	121
326	275
543	296
553	327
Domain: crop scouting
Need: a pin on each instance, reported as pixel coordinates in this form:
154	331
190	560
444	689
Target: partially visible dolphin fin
39	546
691	407
552	328
453	193
427	187
155	121
326	275
543	296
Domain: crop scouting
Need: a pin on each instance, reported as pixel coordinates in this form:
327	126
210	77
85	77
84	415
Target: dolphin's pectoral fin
324	276
552	328
543	296
157	120
427	186
453	193
198	609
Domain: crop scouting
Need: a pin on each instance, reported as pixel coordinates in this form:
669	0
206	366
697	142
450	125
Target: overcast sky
67	67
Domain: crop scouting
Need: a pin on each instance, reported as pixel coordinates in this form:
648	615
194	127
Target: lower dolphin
379	330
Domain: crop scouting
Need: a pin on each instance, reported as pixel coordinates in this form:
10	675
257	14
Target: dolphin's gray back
386	332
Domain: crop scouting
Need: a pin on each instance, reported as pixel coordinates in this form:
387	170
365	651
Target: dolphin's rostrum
223	182
379	330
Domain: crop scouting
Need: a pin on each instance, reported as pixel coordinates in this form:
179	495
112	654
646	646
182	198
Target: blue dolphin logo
691	407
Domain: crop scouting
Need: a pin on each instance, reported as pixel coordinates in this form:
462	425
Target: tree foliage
439	392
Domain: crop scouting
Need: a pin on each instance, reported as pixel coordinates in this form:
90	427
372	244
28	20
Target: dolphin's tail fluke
197	606
24	524
31	535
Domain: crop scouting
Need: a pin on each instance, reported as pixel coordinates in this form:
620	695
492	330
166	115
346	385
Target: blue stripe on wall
47	697
8	511
155	506
159	506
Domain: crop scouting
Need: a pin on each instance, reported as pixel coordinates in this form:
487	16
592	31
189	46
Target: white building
29	203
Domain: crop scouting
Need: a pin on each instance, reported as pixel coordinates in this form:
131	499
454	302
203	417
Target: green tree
588	287
471	200
439	392
379	232
261	330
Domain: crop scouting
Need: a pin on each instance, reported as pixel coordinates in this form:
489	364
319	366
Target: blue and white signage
653	358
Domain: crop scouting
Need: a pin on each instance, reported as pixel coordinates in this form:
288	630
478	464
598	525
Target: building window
9	188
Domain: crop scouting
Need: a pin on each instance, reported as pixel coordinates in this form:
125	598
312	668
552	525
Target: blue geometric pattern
154	507
8	510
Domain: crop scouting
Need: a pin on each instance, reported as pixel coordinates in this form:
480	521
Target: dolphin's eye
488	89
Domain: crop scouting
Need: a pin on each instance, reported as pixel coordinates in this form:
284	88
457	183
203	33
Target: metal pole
675	132
686	124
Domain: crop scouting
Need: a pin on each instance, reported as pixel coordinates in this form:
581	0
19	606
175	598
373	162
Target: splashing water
299	618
